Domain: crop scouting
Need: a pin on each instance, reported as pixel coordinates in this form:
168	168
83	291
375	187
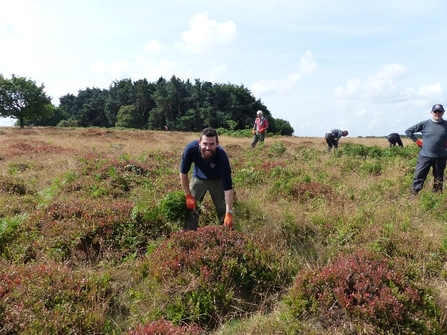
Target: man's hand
228	221
190	202
261	130
419	143
253	131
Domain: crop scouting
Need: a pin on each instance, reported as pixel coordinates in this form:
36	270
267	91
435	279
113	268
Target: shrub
13	186
363	288
8	229
173	206
52	299
211	274
90	231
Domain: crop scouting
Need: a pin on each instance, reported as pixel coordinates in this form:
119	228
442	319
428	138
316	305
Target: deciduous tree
22	99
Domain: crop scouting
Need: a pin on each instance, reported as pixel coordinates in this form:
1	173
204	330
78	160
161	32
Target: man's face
208	147
437	115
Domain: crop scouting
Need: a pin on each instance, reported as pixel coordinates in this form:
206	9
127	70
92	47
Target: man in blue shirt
433	149
393	139
212	172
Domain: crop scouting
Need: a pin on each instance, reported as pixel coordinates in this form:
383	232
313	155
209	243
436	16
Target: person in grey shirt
433	153
333	137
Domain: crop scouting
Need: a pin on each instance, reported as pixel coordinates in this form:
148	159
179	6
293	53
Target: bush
52	299
88	231
173	206
213	274
362	288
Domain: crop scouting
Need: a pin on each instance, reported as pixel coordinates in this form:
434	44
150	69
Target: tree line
173	104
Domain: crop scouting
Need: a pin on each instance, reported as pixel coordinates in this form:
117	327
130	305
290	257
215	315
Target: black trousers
423	167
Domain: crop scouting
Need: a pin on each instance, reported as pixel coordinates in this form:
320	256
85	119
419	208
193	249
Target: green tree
281	126
92	113
144	101
128	117
58	116
22	99
120	93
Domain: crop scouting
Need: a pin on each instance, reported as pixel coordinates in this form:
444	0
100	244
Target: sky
371	67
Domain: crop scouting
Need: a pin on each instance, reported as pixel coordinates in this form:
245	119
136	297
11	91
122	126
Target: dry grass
308	204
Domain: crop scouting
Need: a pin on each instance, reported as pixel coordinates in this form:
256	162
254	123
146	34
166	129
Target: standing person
433	153
393	139
333	137
259	129
212	172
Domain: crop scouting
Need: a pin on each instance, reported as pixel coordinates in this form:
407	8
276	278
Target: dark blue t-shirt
218	167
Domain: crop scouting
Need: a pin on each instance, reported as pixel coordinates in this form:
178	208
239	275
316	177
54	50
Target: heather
91	240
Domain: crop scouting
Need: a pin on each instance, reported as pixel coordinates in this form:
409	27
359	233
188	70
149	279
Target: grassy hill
90	239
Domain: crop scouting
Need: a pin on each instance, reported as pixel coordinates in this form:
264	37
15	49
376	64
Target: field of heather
91	241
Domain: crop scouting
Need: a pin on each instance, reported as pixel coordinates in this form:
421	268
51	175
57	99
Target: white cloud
153	47
434	91
380	87
361	113
307	63
390	71
207	36
116	70
283	86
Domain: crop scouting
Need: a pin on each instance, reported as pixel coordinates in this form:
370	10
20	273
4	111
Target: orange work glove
228	221
253	131
419	143
261	130
190	201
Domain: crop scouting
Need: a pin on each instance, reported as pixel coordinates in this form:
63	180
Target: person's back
393	139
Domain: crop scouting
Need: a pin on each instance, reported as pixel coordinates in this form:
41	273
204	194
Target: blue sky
369	67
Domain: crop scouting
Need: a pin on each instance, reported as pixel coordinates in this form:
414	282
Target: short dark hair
209	132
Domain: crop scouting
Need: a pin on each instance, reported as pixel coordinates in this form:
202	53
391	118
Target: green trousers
199	187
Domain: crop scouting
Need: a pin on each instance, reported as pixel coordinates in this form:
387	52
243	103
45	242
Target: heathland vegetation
90	239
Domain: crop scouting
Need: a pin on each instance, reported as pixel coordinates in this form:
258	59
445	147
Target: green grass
90	242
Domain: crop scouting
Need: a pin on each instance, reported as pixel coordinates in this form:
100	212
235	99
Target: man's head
259	113
344	133
437	111
208	143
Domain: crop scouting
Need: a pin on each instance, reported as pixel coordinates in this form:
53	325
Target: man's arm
410	132
185	183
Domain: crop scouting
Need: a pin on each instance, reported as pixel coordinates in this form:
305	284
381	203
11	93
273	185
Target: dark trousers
331	141
258	137
423	167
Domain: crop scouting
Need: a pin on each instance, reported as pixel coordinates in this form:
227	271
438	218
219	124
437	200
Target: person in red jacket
259	129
